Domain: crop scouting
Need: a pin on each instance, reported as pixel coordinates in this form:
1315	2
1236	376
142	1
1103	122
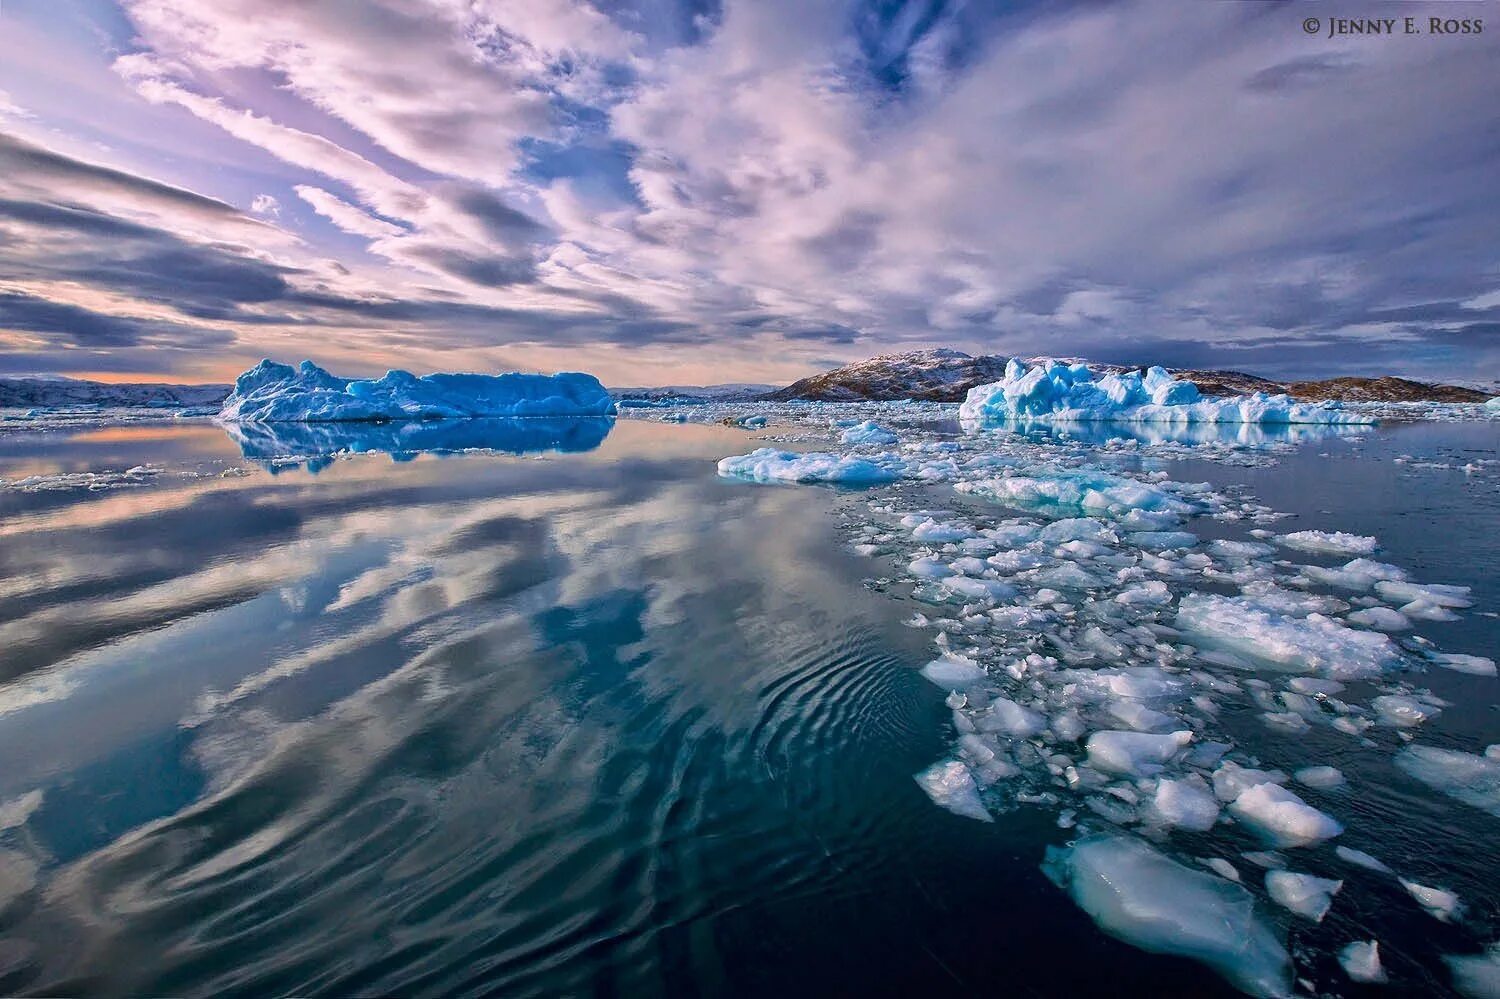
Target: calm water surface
593	722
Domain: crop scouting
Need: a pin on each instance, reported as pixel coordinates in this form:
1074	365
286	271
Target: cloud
705	182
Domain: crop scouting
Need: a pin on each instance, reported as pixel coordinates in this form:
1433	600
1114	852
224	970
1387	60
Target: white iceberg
770	465
1053	391
1140	896
280	393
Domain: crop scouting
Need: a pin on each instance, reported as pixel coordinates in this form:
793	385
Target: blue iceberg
1055	391
279	393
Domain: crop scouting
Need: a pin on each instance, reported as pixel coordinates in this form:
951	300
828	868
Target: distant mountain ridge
55	393
944	375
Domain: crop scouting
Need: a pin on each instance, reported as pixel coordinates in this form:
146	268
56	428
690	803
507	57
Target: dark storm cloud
63	323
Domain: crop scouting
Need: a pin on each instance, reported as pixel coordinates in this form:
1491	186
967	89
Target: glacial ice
1314	644
1055	391
1137	753
1140	896
868	432
767	464
1187	804
1078	493
279	393
1477	975
1474	780
1361	962
1462	663
1282	817
954	671
1440	903
951	785
1360	858
1334	542
1304	894
1323	778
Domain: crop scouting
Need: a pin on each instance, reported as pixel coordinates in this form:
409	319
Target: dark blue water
583	720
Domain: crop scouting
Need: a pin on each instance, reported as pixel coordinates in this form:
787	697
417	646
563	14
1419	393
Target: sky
701	191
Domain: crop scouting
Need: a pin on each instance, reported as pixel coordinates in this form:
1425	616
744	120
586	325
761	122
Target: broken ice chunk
1439	902
1474	780
954	671
1187	804
1361	859
1361	961
1323	778
1478	975
1307	896
950	785
1138	753
1335	542
1138	895
1282	818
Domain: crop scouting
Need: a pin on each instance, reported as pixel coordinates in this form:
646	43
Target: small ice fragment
1140	896
1435	593
1361	961
1307	896
1187	804
1475	665
1283	818
1153	593
954	671
1232	780
1336	542
1402	711
1476	975
1361	859
1137	753
1381	619
868	432
1323	778
1223	868
1474	780
950	785
770	465
1439	902
1012	719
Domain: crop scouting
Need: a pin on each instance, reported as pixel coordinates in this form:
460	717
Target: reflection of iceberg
403	440
1097	432
276	393
1071	392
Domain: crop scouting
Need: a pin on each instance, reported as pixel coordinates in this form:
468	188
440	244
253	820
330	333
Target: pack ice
280	393
1058	392
1152	902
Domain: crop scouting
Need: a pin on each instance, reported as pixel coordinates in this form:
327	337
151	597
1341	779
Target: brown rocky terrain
947	375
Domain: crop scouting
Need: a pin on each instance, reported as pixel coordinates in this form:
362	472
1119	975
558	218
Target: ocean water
573	714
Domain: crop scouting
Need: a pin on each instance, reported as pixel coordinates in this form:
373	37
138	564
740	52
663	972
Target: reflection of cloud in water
1234	434
485	722
272	443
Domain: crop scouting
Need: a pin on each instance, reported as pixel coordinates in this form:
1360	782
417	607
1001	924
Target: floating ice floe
1361	962
950	785
1474	780
770	465
1440	903
1283	818
868	432
1309	897
1069	492
1312	644
1332	542
1135	753
1055	391
1477	975
1140	896
273	393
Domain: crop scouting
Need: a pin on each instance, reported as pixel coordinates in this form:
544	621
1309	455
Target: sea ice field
1080	688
